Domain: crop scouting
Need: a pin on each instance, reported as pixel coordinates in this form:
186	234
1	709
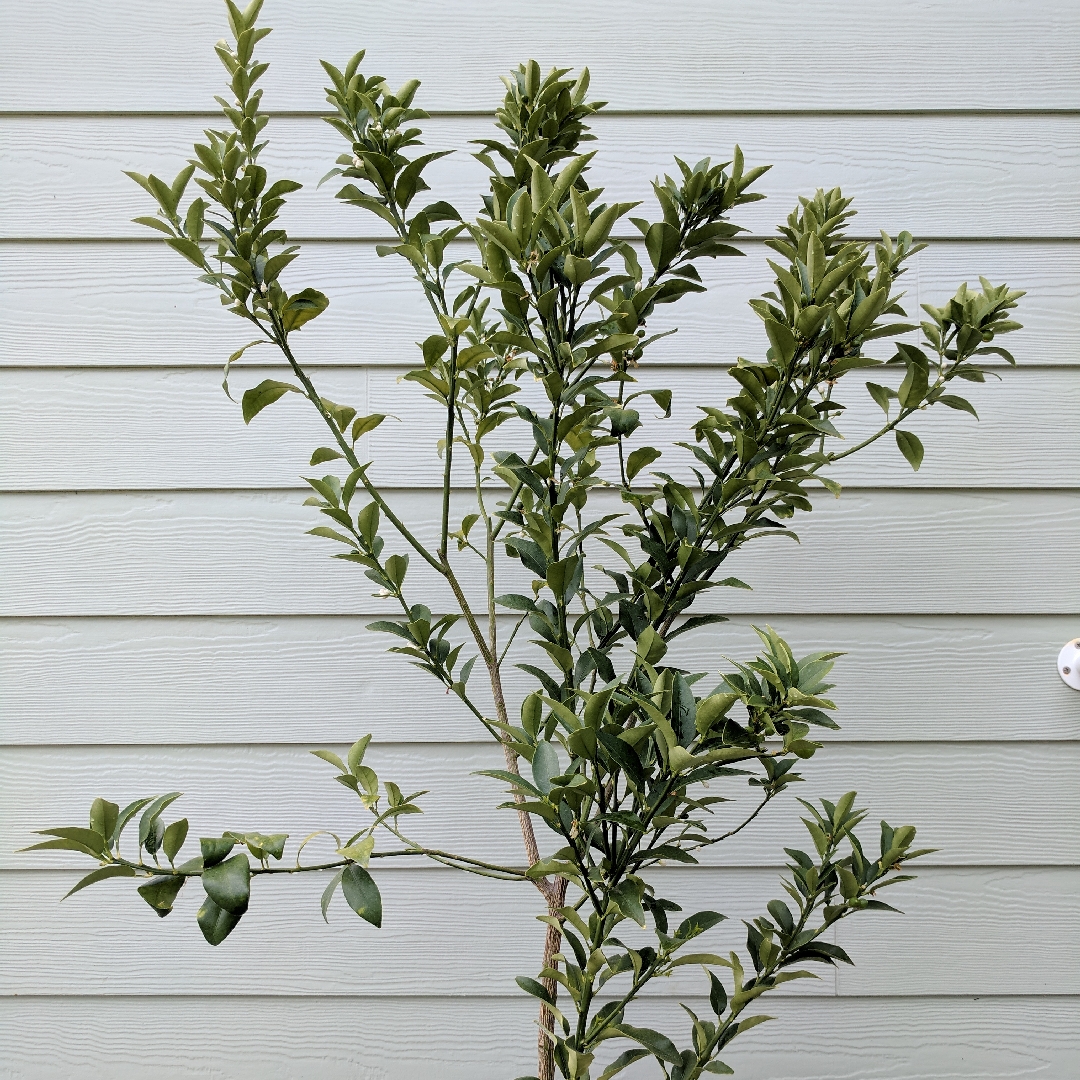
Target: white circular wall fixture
1069	663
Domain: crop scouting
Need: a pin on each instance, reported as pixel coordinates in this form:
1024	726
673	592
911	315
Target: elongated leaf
329	755
174	838
125	816
698	924
627	898
266	393
954	401
100	874
328	894
151	814
640	459
103	818
545	765
624	1060
87	839
660	1046
911	447
531	986
362	894
717	995
62	845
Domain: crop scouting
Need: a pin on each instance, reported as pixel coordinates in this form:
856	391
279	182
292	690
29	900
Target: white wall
166	624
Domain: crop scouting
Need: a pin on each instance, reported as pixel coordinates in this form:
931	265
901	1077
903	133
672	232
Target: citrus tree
603	546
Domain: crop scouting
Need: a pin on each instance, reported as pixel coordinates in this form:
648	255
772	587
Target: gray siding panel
163	617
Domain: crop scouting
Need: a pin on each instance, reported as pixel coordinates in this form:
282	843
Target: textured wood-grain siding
459	1038
982	170
164	619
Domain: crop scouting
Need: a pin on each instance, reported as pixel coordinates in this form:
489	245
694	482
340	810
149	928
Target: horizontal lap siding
103	1038
168	680
164	619
916	55
890	164
173	429
137	307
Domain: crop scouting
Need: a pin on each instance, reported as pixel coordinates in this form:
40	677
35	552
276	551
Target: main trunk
545	1059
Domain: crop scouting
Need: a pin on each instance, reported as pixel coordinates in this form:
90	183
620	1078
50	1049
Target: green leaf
683	710
148	822
782	341
62	845
362	894
752	1022
360	852
913	388
266	393
624	1060
302	307
545	765
882	395
953	401
698	924
662	244
214	848
174	838
228	884
660	1046
717	995
363	424
125	816
160	893
639	459
215	922
650	646
330	756
328	894
189	249
720	1068
627	898
564	577
100	874
93	843
356	754
325	453
531	986
103	818
910	447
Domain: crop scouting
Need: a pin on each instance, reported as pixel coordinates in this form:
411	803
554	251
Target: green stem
350	455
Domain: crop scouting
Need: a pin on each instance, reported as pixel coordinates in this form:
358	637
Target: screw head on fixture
1069	664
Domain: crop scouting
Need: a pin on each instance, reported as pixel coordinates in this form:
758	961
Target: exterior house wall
166	624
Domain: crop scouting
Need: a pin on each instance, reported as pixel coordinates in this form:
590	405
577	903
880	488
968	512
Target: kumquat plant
600	546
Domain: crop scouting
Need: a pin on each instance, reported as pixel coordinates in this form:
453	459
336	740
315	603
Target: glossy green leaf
215	922
214	848
103	818
362	894
228	884
151	814
660	1046
100	874
174	838
266	393
545	765
328	893
911	447
160	893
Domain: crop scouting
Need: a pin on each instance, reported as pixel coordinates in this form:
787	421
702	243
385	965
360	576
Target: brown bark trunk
545	1058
